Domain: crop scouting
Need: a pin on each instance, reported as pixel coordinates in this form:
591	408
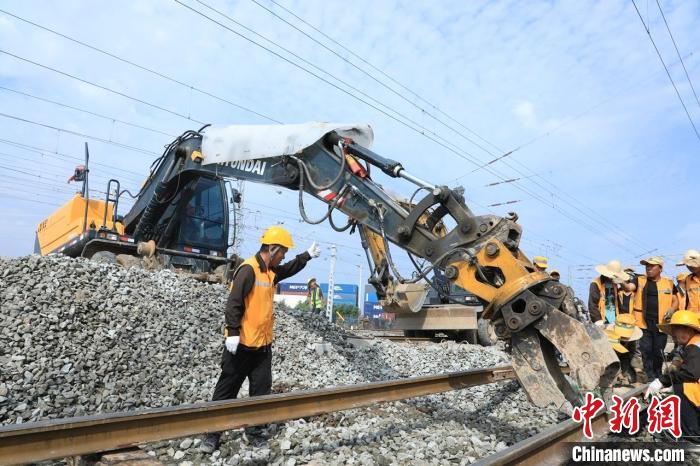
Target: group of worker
648	308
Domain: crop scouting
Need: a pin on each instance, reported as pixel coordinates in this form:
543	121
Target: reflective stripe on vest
601	300
256	324
665	289
692	295
692	389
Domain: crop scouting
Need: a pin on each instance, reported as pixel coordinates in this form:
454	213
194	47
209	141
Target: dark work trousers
626	360
652	347
689	416
255	364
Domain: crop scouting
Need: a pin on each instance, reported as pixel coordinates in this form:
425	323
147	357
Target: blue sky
608	161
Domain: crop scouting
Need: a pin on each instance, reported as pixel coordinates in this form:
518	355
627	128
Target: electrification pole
331	287
360	293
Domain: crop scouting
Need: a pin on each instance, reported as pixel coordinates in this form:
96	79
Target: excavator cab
204	220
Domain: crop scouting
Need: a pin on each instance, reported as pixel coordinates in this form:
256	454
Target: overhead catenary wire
668	28
437	119
420	130
45	151
668	73
104	88
412	103
141	67
415	129
61	104
83	135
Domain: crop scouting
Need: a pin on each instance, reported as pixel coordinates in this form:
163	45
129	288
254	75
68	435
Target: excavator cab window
204	220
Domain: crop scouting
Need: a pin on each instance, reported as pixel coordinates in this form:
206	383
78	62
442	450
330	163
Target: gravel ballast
79	337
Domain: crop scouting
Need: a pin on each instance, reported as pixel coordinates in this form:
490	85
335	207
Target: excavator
535	315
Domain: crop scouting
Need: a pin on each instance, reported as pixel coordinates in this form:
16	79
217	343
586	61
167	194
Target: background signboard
293	293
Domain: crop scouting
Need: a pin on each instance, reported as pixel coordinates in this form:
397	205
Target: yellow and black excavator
333	164
180	219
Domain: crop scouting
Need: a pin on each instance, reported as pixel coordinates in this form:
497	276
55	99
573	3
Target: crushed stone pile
80	337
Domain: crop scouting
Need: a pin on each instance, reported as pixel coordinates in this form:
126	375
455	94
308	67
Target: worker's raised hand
654	388
232	344
314	250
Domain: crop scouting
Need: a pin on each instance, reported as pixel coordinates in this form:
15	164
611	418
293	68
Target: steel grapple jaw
556	353
540	350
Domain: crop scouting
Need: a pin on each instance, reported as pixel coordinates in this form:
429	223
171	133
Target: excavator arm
480	254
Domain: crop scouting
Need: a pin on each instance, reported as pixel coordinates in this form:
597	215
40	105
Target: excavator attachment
538	315
406	298
539	352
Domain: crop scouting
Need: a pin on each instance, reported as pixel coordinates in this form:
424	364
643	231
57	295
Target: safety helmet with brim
614	340
682	318
625	327
277	235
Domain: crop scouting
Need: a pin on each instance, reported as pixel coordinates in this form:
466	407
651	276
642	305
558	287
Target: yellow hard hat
614	340
626	328
277	235
541	261
684	318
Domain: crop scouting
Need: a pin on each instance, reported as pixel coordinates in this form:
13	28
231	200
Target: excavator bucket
407	298
592	363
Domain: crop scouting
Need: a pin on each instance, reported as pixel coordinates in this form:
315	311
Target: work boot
210	443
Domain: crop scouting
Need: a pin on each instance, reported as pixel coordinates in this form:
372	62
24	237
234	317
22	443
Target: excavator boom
480	253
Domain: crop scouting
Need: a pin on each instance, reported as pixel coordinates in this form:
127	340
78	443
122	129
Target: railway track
32	442
62	438
401	338
549	446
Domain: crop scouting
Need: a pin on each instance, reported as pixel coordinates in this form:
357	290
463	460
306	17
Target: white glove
232	344
654	388
314	250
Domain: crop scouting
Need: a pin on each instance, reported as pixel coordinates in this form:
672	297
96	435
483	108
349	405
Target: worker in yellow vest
602	294
691	260
654	302
247	351
685	329
314	297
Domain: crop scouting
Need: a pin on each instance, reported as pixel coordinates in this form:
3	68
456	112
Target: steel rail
62	438
549	446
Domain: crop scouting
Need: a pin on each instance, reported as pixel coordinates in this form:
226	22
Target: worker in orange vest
691	283
685	378
603	301
654	303
247	349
